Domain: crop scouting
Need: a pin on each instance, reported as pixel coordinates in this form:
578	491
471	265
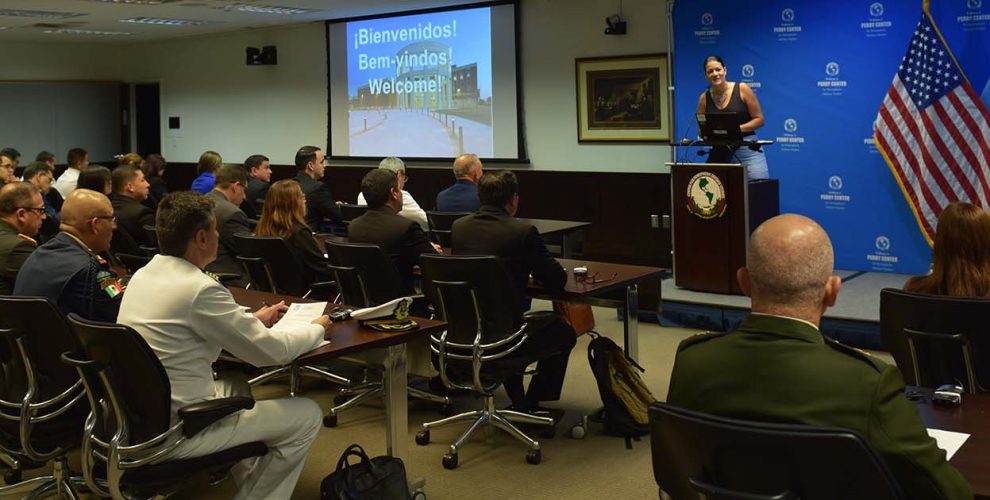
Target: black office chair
440	225
366	277
130	429
475	296
42	403
151	249
273	267
698	454
349	212
132	262
936	339
123	242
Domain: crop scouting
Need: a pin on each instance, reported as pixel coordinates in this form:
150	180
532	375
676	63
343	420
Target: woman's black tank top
736	105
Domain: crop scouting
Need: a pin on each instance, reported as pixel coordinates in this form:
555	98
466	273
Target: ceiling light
38	13
162	21
73	31
135	2
268	9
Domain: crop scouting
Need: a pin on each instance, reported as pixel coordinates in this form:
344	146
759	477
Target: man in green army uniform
778	367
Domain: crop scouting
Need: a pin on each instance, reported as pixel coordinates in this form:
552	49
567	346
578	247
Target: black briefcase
379	478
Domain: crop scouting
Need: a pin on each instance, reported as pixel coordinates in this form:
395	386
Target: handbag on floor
579	316
379	478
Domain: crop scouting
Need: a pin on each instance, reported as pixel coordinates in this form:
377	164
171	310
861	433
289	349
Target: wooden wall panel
618	205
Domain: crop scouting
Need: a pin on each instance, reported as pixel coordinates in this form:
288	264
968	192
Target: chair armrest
321	287
76	360
198	416
227	277
538	319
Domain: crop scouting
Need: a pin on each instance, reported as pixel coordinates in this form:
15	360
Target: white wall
59	61
235	109
239	110
553	34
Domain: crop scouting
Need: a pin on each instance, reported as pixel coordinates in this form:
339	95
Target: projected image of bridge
430	107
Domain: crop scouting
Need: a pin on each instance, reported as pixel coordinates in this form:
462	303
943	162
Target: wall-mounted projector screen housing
428	85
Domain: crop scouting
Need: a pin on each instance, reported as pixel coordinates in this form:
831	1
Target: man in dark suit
778	367
21	214
6	169
260	172
494	230
382	225
320	204
130	189
40	174
463	195
228	193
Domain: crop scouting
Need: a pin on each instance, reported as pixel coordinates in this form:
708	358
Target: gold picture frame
623	99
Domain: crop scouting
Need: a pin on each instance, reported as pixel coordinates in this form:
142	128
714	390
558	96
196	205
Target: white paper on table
300	316
948	440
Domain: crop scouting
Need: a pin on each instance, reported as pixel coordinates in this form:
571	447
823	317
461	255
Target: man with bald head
463	195
778	367
68	269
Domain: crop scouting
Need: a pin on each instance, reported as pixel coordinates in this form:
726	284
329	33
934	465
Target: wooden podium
714	210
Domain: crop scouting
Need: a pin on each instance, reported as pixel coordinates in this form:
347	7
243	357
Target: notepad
300	316
948	440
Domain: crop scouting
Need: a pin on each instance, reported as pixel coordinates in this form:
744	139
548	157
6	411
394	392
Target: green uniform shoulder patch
699	338
878	364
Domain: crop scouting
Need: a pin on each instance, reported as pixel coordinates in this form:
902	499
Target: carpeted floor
493	464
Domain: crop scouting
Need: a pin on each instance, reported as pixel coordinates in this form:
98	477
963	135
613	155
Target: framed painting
623	99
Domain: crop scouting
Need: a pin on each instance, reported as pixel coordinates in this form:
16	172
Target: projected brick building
424	79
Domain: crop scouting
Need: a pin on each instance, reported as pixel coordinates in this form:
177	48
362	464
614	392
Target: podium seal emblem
706	196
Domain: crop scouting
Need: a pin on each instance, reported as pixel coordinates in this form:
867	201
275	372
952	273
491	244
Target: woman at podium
723	96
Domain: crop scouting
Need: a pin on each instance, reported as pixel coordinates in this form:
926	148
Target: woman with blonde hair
131	159
284	216
207	166
961	256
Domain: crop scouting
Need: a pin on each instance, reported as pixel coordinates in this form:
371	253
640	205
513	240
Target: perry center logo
748	71
790	125
787	15
706	196
883	243
832	69
835	183
876	9
707	19
974	4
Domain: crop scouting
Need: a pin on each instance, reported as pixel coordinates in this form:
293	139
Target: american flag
933	130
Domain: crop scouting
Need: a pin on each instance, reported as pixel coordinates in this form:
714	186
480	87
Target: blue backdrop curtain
820	70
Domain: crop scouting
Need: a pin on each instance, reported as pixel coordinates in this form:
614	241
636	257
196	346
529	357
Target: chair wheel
578	431
423	437
450	461
12	476
534	457
446	410
330	421
341	399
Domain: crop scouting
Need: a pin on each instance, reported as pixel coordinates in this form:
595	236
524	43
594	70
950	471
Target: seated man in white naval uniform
187	317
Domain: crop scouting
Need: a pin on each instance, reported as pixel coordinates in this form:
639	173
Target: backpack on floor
625	396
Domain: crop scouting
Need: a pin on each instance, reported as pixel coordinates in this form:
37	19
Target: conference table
973	418
349	337
546	227
603	279
564	228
